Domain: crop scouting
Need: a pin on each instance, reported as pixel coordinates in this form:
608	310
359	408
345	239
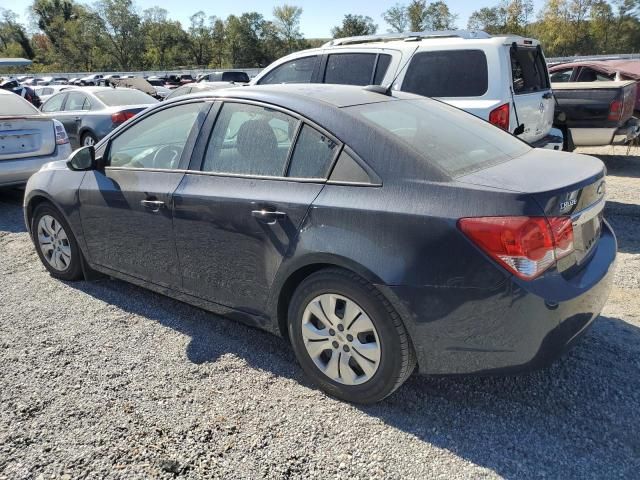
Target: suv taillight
500	117
121	117
525	246
615	111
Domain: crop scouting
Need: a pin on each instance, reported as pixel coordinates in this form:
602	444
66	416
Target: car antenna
387	90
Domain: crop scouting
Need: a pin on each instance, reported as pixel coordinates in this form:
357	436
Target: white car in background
28	140
502	79
46	91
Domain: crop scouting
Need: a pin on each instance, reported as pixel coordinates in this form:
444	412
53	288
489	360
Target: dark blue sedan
375	231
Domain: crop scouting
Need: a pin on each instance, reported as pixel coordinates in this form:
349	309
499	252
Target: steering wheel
167	156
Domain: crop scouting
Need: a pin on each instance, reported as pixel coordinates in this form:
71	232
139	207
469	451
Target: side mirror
82	159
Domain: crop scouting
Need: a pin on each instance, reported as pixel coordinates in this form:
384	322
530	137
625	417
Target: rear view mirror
82	159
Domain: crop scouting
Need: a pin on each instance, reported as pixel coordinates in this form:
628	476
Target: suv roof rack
409	37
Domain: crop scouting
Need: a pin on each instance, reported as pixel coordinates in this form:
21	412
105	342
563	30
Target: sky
318	16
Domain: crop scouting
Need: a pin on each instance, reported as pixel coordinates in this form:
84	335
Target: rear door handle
77	119
153	205
268	216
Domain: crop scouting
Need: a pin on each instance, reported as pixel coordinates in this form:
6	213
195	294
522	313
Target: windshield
452	139
13	104
116	97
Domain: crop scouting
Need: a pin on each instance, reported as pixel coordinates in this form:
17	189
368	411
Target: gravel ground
107	380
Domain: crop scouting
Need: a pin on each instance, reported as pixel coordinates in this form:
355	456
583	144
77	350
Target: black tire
86	136
397	356
73	270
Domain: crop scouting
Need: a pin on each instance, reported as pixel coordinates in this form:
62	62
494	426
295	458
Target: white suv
501	79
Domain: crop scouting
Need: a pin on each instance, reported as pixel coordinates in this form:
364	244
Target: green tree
353	26
416	15
287	23
201	38
122	28
15	32
397	18
489	19
437	16
164	39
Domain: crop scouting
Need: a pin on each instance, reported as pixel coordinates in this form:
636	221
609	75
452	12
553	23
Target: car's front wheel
88	139
347	337
55	243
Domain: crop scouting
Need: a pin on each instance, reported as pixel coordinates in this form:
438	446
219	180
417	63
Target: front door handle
268	216
153	205
547	95
77	119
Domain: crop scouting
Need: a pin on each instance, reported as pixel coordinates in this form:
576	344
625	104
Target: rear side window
77	101
562	75
350	68
54	104
299	70
452	139
312	155
381	68
528	70
250	140
450	73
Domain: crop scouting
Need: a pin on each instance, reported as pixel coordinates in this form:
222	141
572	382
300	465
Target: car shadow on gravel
625	221
11	219
584	407
621	165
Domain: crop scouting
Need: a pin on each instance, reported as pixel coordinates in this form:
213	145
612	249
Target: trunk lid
26	137
562	184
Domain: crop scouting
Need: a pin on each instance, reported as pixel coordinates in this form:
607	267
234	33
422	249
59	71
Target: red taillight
500	117
526	246
121	117
615	111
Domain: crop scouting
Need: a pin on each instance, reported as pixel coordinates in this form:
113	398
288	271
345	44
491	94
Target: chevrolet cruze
376	231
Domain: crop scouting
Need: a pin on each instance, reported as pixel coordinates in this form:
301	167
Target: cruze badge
568	204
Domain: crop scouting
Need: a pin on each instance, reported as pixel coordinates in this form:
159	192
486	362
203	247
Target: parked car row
376	229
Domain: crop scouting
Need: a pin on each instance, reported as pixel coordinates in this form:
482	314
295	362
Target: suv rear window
529	70
448	73
449	138
235	77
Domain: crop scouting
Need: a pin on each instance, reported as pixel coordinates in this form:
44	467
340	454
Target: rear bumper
554	140
516	327
17	172
594	137
627	133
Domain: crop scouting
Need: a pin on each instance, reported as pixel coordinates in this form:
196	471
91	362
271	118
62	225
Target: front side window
312	155
299	70
447	73
250	140
157	141
54	104
350	68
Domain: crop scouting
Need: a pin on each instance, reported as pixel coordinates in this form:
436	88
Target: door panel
230	240
122	233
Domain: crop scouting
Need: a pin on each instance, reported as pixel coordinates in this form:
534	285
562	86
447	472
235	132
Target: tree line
64	35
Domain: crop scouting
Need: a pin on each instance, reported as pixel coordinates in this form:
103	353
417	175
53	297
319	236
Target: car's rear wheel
88	139
55	243
347	337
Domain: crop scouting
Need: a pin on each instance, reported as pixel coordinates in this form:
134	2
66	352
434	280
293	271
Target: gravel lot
104	379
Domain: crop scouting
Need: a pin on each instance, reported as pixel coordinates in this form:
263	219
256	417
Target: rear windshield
235	77
447	73
13	104
117	97
451	139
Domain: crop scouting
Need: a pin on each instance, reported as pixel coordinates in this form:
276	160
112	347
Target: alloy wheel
88	141
341	339
54	243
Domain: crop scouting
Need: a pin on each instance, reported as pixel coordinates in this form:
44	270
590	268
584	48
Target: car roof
307	95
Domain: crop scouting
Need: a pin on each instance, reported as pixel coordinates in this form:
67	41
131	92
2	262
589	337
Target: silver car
28	140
